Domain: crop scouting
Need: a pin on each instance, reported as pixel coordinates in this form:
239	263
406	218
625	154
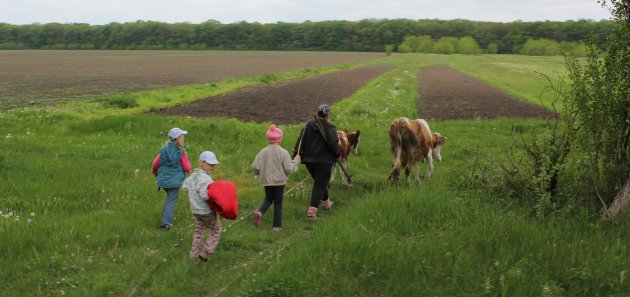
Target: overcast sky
94	12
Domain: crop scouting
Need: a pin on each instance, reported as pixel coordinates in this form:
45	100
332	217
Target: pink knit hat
274	135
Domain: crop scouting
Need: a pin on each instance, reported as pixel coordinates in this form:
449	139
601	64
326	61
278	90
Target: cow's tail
395	138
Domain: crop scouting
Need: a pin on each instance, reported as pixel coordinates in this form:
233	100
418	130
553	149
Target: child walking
197	187
273	164
170	167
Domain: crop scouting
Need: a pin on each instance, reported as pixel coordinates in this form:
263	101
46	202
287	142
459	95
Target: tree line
370	35
469	46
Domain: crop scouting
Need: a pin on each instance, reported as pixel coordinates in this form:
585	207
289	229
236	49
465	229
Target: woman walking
319	147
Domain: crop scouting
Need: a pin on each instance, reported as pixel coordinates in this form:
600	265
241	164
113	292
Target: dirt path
290	103
446	94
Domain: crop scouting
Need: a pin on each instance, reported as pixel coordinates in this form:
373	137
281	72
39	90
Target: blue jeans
172	194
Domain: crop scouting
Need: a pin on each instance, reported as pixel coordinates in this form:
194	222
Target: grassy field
80	213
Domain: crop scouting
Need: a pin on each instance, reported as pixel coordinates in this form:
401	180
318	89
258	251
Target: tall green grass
89	211
429	242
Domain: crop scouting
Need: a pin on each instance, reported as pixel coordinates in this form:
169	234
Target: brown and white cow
412	141
348	144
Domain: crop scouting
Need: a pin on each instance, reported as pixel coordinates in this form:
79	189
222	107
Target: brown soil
290	103
47	77
446	93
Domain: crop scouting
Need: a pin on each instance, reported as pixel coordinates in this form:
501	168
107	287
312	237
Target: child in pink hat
273	164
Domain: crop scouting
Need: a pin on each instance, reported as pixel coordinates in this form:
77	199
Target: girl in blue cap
170	167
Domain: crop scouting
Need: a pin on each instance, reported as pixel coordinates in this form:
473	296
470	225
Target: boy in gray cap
197	187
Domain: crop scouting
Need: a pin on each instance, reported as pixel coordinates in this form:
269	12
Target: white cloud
271	11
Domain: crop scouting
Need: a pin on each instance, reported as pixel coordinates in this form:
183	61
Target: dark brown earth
290	103
446	93
47	77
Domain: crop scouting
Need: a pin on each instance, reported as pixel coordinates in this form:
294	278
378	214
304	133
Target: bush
268	78
121	101
468	46
404	48
445	45
541	47
493	48
389	49
425	44
583	158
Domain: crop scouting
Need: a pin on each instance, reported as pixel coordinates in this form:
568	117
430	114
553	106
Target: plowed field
446	94
46	77
289	103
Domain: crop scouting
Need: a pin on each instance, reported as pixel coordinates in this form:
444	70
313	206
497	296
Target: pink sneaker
257	218
328	204
277	229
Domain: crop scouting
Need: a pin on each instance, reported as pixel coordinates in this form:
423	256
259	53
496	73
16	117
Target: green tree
405	48
577	49
582	159
365	35
445	45
493	48
411	42
425	44
601	98
540	47
468	46
389	49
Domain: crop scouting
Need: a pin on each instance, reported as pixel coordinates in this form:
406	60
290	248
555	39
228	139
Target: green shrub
119	101
389	49
583	158
268	78
468	46
425	44
445	45
404	48
541	47
493	48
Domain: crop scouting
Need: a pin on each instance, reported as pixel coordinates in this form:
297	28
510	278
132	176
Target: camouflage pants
203	222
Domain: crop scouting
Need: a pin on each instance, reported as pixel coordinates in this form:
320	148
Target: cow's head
438	141
353	141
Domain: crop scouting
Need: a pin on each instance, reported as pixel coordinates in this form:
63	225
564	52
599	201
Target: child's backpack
223	199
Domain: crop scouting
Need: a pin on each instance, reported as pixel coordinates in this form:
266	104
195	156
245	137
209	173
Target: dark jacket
314	148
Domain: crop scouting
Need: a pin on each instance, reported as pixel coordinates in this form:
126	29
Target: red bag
223	199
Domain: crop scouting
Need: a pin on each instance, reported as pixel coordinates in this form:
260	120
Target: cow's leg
395	164
408	164
430	162
416	171
332	176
